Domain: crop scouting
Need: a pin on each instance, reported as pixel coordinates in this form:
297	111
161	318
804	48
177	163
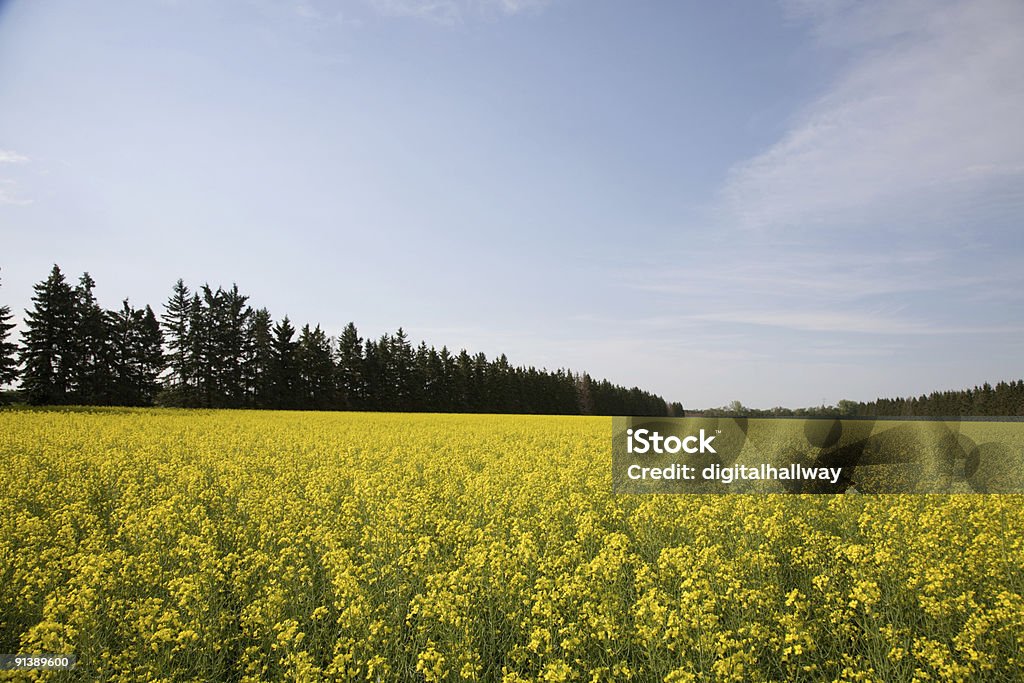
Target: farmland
237	545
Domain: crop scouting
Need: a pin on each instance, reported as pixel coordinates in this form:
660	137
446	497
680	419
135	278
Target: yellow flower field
233	545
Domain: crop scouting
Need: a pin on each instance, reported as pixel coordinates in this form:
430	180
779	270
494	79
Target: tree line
211	349
1005	399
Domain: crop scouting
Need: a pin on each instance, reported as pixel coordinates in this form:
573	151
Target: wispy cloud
927	112
826	276
11	157
452	12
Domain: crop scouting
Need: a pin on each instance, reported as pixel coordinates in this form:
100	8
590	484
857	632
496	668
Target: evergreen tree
586	396
230	345
465	392
315	365
48	344
214	361
149	356
177	320
424	384
284	375
136	355
446	382
259	360
402	360
203	381
8	350
91	378
350	374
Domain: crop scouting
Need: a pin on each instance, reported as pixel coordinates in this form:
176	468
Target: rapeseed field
248	546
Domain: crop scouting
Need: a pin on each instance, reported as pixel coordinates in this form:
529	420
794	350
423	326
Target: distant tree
425	379
376	394
91	380
8	349
465	391
49	348
177	319
446	390
736	408
315	369
350	374
230	345
500	380
149	355
259	360
586	395
136	355
202	353
284	375
403	381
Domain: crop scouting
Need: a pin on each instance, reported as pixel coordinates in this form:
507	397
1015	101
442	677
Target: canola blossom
268	546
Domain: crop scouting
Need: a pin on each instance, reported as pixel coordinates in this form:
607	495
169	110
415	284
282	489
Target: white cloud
10	157
452	12
928	111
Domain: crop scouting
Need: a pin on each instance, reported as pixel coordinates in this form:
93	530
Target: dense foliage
274	546
213	350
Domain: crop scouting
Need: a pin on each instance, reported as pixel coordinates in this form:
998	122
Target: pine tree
230	344
91	381
149	355
425	379
464	389
315	370
214	363
259	359
177	320
284	375
351	379
446	380
8	350
373	377
202	381
48	344
403	381
136	355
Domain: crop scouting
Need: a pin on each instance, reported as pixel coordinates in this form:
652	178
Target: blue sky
780	203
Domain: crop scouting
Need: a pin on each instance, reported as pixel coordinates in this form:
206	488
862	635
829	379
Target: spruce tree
446	380
284	375
136	355
8	349
91	379
402	378
315	370
149	355
177	320
351	380
48	352
231	345
201	363
259	359
373	377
